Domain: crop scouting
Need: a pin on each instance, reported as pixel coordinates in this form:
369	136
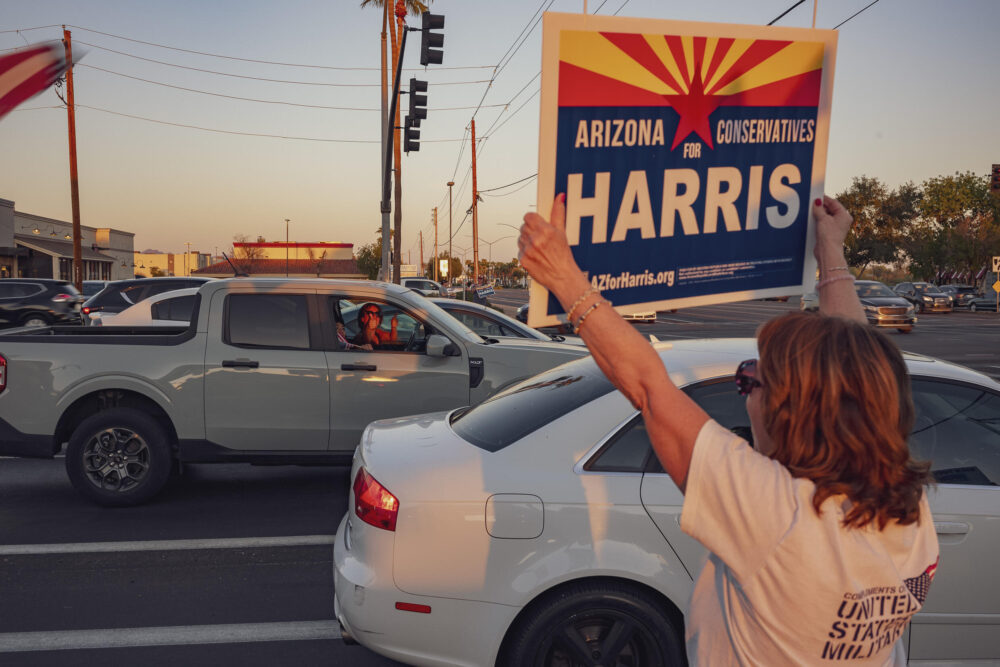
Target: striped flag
29	71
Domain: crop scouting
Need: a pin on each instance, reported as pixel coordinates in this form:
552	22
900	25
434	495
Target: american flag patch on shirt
918	586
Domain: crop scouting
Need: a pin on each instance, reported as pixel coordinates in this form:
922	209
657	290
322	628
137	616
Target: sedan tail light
3	373
373	503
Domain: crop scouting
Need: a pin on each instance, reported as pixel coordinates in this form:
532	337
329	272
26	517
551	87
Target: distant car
962	294
643	316
169	309
424	286
983	302
491	323
37	302
119	295
883	307
538	528
926	297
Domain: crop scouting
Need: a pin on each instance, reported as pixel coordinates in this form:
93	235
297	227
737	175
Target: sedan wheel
972	307
602	623
34	321
118	457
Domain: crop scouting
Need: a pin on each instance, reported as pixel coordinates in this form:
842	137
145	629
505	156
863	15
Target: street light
286	247
187	257
450	233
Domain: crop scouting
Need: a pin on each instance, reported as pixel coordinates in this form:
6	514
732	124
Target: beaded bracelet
586	313
569	313
838	268
824	283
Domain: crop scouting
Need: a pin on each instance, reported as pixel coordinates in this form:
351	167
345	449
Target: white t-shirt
785	586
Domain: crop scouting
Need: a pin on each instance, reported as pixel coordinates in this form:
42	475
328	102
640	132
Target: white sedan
167	309
537	528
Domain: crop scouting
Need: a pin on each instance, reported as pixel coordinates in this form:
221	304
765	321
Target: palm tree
415	7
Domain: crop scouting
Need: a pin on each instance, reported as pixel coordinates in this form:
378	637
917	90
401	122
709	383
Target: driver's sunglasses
371	311
746	377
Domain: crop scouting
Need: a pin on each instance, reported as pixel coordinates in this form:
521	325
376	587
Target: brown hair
838	406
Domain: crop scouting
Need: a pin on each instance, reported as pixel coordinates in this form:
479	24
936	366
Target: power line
509	184
262	62
252	99
514	191
782	14
41	27
259	78
250	134
853	15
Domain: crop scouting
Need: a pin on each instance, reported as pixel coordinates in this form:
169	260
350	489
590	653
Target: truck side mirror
440	346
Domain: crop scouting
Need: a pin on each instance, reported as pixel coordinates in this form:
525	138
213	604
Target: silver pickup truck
262	375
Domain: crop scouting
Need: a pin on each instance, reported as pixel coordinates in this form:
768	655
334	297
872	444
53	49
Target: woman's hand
833	222
545	253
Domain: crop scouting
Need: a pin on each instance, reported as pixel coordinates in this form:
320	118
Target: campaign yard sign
689	153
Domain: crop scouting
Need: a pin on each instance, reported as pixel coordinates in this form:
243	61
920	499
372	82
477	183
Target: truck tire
118	457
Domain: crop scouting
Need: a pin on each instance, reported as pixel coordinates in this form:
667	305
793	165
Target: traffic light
995	181
418	102
411	135
431	42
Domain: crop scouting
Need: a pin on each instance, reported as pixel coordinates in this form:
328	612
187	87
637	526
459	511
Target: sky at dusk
915	96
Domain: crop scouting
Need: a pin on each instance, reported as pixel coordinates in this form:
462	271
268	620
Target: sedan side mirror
440	346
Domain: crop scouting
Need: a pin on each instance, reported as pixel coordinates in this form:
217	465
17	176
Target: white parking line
63	640
167	545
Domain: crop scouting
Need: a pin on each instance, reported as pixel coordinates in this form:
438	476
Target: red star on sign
694	109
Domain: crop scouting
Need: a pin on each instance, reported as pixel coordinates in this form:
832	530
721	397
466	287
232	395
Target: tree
960	226
156	272
881	218
369	257
247	258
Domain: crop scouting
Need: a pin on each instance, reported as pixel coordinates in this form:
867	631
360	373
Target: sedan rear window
533	403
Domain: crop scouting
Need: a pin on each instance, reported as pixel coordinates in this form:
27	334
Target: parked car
538	525
926	297
961	294
983	302
169	309
121	294
491	323
258	376
648	317
36	302
883	307
424	286
92	287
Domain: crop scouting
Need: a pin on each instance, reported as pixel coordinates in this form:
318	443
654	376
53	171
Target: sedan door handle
951	527
240	363
358	367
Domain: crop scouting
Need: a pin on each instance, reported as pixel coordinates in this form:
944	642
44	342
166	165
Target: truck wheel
118	457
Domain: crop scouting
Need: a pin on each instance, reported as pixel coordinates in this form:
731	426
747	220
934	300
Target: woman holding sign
821	541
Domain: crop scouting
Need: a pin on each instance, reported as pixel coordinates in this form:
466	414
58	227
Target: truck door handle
951	527
240	363
358	367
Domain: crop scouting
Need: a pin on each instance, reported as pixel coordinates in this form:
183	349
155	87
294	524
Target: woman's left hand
543	249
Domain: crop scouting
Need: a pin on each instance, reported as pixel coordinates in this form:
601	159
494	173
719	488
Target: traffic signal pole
386	206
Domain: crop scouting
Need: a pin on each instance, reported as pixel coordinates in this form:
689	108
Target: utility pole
286	247
451	278
187	256
74	181
397	155
475	211
436	258
421	251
